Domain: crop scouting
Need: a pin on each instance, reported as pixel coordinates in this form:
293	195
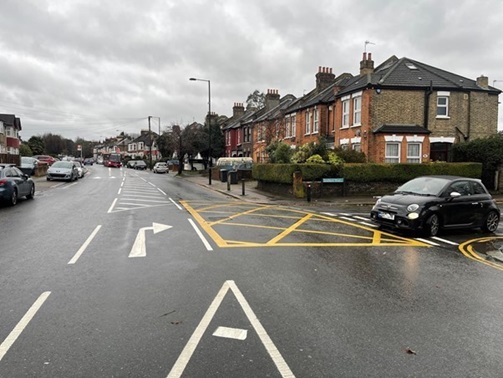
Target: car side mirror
455	194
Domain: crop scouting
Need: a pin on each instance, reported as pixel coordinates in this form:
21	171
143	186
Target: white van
235	163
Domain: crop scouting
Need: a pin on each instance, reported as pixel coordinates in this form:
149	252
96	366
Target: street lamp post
209	125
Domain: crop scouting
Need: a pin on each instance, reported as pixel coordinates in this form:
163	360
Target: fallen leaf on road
410	351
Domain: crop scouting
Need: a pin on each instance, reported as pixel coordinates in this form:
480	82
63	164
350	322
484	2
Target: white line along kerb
190	347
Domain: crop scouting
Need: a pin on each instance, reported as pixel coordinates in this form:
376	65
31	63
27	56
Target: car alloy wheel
32	192
491	222
432	225
13	198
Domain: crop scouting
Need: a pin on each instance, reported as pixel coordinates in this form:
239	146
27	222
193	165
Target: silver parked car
63	170
161	167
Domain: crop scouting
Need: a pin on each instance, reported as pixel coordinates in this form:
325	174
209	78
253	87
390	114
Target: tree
255	100
37	145
25	150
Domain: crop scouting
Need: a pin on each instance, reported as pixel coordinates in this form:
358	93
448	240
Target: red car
46	159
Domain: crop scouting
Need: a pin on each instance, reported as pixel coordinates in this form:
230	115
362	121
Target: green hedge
367	172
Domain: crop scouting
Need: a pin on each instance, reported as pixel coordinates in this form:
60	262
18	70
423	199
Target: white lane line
369	224
201	236
346	214
330	214
361	218
120	190
348	219
231	333
428	241
444	240
57	185
111	207
152	185
177	205
161	191
69	185
85	245
190	347
25	320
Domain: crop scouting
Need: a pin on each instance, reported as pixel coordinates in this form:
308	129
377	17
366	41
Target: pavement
252	194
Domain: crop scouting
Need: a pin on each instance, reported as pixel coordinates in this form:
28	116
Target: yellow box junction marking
227	215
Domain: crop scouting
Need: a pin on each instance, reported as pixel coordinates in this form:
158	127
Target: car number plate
386	215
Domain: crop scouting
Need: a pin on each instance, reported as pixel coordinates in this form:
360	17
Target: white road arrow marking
139	247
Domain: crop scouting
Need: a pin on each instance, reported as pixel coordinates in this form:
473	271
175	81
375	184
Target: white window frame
392	158
294	125
345	113
288	126
308	122
443	109
357	110
2	128
414	159
315	121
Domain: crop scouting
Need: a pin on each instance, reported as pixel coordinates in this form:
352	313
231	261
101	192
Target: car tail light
3	182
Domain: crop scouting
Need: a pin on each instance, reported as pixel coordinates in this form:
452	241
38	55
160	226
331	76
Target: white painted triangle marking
190	347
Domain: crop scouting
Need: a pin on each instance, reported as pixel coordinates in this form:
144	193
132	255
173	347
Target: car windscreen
63	164
423	186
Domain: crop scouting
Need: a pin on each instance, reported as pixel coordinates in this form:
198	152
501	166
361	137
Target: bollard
242	187
229	183
308	192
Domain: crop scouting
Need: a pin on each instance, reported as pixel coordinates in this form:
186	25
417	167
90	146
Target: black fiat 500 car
429	204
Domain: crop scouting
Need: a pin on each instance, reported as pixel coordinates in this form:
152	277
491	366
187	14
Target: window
356	147
357	111
414	153
141	146
392	153
345	113
294	126
315	122
308	122
443	104
288	127
2	128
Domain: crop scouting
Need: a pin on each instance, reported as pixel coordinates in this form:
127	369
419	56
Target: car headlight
413	215
412	207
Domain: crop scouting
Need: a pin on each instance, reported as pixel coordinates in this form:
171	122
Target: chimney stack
238	109
272	99
483	82
367	64
324	78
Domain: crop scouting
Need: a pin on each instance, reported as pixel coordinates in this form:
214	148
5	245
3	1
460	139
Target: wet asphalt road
225	289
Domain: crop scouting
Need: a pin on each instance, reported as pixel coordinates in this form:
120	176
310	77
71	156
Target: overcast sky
90	68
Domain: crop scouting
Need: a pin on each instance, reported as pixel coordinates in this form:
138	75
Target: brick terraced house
401	111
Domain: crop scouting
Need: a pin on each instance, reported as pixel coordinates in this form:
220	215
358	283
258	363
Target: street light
209	125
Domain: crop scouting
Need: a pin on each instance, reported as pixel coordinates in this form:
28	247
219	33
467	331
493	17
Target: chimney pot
370	56
364	56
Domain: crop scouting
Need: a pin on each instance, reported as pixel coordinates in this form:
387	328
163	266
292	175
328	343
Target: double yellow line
467	249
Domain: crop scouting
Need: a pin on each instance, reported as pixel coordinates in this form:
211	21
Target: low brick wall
319	190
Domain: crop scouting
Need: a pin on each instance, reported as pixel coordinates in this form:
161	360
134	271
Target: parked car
131	163
80	169
46	159
161	167
88	161
28	165
140	164
63	170
14	184
430	204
